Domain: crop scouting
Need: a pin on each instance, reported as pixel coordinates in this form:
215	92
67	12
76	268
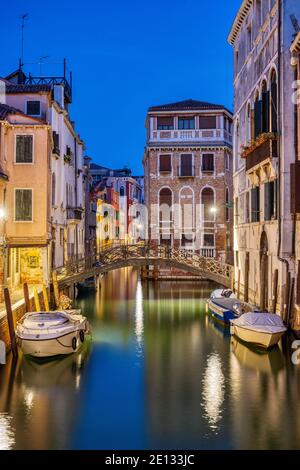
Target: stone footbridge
139	255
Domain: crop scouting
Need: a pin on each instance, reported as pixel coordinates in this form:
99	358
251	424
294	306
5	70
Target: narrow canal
158	374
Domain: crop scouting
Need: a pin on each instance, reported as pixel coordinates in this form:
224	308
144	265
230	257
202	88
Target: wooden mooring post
26	297
36	300
10	321
55	288
275	291
45	298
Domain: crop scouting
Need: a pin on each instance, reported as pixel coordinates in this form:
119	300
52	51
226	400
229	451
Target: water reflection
7	439
160	375
213	391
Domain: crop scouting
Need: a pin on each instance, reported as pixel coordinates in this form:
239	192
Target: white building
261	36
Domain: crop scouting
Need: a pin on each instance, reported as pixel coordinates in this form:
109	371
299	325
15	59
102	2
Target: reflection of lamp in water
139	314
7	439
213	390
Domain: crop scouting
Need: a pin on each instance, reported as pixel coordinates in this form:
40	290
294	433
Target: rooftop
5	110
187	105
239	20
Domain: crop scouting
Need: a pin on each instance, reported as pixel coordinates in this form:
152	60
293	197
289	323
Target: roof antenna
23	18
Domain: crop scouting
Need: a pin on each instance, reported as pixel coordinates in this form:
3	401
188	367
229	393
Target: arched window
165	214
265	98
186	200
274	100
208	204
122	191
53	189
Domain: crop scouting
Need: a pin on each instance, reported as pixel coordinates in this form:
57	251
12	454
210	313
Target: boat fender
74	343
81	335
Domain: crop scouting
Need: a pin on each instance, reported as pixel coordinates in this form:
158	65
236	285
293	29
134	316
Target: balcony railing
208	252
74	213
193	135
186	172
265	147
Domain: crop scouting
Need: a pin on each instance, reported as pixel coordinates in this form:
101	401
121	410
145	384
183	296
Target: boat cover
263	322
49	319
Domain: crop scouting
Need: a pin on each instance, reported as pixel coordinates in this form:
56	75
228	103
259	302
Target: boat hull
61	345
220	314
258	338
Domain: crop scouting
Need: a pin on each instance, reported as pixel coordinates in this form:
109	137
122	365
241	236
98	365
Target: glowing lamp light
213	210
2	213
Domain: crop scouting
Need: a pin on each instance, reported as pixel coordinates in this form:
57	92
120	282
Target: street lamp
213	210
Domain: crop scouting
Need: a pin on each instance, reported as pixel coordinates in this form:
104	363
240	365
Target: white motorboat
47	334
261	329
222	294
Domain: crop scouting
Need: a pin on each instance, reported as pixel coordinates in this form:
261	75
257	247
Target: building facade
25	152
264	148
188	177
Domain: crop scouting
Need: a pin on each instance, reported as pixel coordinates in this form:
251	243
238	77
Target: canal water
159	374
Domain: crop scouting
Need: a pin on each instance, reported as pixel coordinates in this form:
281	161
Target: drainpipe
279	142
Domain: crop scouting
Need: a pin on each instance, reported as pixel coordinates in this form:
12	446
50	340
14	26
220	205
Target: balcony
186	172
208	252
194	135
74	214
264	148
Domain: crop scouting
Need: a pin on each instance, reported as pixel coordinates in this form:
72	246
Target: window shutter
266	111
165	122
24	149
33	108
268	202
257	118
255	205
208	162
207	122
274	107
23	205
165	163
186	165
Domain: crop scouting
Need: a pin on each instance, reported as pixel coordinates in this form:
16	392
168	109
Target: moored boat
227	309
258	328
48	334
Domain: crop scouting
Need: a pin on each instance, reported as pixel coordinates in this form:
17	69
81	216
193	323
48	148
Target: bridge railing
118	252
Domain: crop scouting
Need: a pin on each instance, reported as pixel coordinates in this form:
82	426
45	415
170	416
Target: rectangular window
23	205
270	201
165	164
209	239
24	149
33	108
208	163
255	204
186	165
56	149
207	122
165	123
186	123
247	208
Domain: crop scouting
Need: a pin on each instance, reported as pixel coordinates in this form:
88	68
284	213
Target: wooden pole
10	321
263	286
290	303
275	290
55	288
287	297
26	297
239	284
36	300
246	288
45	298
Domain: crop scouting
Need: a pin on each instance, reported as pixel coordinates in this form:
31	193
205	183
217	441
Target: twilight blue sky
126	55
